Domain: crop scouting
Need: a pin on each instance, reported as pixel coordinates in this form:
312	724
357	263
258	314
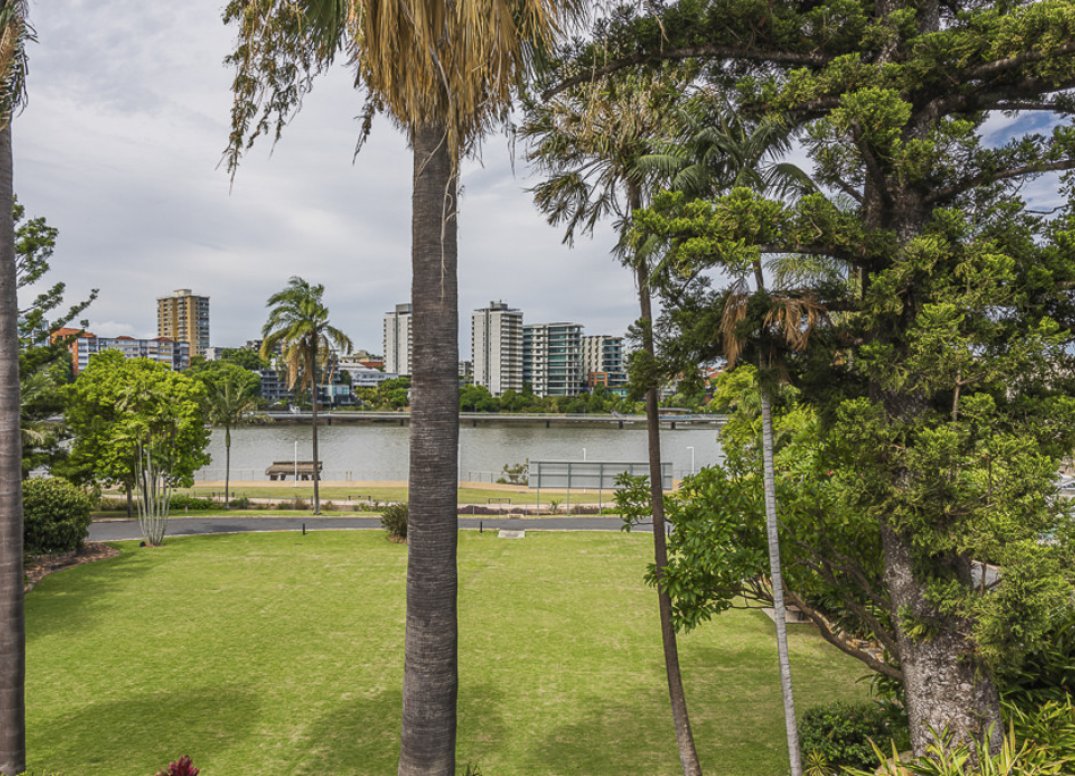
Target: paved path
116	530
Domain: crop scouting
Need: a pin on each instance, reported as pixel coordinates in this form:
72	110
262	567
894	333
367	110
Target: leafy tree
892	98
445	72
15	31
247	358
476	398
231	395
136	421
298	322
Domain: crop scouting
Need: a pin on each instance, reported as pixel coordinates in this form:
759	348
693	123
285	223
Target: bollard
304	529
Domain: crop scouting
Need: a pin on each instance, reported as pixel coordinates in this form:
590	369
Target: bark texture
430	680
12	622
945	688
688	754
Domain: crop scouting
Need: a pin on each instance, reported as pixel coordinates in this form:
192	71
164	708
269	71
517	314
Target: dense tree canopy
940	374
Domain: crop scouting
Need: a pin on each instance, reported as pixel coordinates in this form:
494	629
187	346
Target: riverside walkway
120	530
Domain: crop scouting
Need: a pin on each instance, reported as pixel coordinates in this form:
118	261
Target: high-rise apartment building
552	359
397	340
603	361
496	339
184	317
85	344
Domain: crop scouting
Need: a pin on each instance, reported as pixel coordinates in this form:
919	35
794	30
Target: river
379	452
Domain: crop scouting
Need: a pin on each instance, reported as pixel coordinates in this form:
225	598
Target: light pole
296	459
692	458
584	454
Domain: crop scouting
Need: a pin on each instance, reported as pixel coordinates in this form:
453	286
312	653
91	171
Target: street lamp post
692	458
296	459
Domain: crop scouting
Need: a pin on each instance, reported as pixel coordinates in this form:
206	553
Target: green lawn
281	654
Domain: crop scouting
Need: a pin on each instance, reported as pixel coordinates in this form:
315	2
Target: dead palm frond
455	65
15	33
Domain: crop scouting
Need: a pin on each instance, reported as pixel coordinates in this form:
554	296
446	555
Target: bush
394	520
240	503
181	501
56	515
840	733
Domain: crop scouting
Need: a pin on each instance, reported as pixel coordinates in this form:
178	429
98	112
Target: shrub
840	733
394	520
181	501
181	767
56	515
240	503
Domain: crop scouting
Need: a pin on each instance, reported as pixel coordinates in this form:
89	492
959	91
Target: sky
120	146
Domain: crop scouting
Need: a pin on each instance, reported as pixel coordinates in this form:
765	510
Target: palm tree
14	33
445	72
230	392
298	326
590	142
717	151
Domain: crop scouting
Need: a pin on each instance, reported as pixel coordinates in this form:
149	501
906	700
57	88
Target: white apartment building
552	359
496	339
398	340
603	361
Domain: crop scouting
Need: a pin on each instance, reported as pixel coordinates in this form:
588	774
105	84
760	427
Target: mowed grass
282	654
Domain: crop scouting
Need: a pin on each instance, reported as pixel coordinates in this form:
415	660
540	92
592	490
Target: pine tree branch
985	178
711	51
1014	62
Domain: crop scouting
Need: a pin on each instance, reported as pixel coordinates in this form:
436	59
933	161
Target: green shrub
840	733
394	520
181	502
56	515
240	503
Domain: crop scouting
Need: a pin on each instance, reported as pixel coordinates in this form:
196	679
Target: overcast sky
120	145
119	149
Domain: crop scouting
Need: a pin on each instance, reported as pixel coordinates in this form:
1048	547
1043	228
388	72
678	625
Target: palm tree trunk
313	396
688	754
430	678
779	611
227	466
12	622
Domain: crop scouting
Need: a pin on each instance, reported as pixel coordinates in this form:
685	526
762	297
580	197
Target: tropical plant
15	32
298	326
231	395
444	72
589	142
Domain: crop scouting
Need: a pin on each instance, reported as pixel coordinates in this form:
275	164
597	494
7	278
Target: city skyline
142	208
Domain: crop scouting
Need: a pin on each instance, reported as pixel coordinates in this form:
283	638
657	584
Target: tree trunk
688	755
130	501
777	577
945	689
430	679
12	623
313	405
227	466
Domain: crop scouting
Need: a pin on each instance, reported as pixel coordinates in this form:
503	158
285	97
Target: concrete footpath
118	530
